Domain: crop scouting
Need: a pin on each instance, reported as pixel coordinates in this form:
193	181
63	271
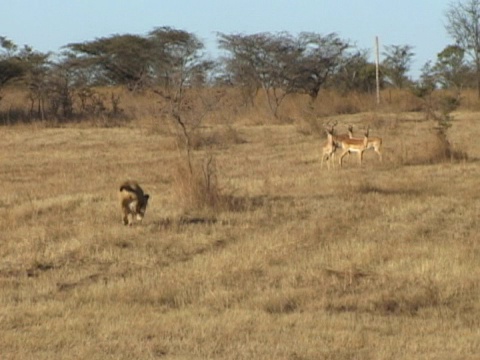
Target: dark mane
127	187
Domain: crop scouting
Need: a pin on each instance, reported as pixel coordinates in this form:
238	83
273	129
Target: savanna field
285	260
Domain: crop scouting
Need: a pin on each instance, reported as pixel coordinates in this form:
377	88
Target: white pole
377	64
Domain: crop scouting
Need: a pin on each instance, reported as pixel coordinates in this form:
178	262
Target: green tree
320	57
11	66
36	71
241	63
450	68
356	73
121	59
177	58
424	88
141	61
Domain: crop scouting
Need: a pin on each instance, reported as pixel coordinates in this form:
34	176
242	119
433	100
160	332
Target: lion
133	202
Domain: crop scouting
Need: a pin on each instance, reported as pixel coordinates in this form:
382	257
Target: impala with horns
337	139
374	142
354	146
332	144
328	150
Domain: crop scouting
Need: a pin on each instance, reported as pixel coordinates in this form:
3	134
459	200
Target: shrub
197	187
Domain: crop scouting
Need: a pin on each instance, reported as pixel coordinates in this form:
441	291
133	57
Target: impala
374	142
333	142
354	145
337	139
328	150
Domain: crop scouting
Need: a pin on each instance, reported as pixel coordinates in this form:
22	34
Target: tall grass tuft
197	187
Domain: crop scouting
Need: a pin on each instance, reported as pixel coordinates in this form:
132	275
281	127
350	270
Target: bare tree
463	25
178	80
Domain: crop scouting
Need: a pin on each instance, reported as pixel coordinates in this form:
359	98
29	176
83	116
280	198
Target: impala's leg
331	157
328	159
334	150
345	152
325	158
379	153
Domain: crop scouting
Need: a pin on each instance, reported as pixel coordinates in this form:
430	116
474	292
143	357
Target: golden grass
379	262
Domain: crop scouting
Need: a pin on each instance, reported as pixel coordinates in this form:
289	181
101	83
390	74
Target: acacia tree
463	25
276	68
177	58
281	64
320	57
121	59
28	67
11	65
37	70
141	61
397	62
240	62
355	73
261	61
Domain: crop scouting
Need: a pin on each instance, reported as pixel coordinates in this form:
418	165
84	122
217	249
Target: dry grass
372	263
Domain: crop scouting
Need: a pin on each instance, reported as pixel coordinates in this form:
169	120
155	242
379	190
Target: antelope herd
349	144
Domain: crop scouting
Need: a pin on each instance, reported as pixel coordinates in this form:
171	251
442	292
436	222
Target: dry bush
310	125
217	138
442	149
407	299
331	103
200	190
281	303
197	189
433	147
397	100
469	100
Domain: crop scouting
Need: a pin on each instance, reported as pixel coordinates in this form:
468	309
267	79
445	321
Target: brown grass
379	262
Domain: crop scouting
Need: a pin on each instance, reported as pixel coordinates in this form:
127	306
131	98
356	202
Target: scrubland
294	262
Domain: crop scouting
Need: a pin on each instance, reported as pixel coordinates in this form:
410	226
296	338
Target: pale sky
47	25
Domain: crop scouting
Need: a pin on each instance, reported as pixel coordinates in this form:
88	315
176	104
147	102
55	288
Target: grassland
379	262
